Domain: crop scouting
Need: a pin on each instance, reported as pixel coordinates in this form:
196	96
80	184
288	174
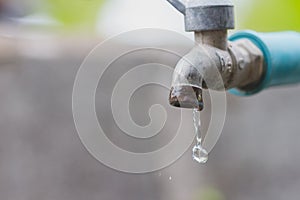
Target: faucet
245	63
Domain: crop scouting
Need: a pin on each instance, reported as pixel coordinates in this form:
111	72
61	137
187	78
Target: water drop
200	155
170	178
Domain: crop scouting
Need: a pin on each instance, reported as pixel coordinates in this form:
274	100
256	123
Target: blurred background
42	45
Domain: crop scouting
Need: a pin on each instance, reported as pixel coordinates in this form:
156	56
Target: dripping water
200	155
188	96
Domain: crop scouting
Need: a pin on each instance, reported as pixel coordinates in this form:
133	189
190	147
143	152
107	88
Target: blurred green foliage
261	15
75	13
273	15
209	194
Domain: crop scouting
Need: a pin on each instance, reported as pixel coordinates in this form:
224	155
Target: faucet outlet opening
186	97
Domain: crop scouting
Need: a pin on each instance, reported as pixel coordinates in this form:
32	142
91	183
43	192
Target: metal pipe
216	38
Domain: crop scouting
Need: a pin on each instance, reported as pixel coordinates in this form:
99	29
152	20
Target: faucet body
246	64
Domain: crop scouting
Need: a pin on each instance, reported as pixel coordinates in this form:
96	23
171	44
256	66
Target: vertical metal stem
216	39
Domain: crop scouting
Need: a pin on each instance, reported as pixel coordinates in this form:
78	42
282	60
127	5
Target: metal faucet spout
214	62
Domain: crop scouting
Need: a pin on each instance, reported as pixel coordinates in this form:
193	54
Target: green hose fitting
281	52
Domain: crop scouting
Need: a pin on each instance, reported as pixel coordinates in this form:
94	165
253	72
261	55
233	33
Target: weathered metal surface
206	15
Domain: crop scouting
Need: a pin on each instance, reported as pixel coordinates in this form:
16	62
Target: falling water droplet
170	178
199	153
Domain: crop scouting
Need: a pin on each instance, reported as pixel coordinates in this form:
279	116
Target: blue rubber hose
281	52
